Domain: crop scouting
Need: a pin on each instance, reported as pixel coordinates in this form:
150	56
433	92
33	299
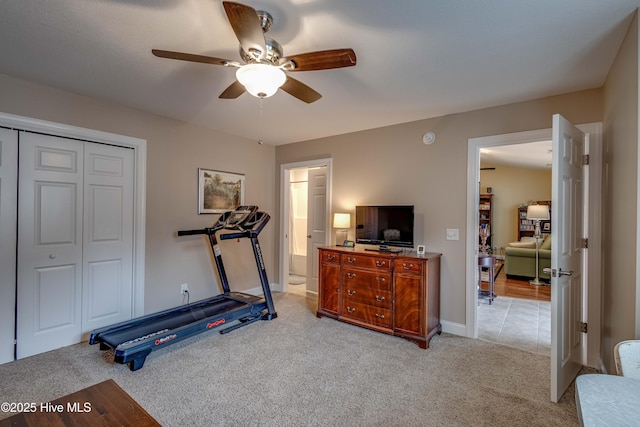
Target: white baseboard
454	328
275	287
258	290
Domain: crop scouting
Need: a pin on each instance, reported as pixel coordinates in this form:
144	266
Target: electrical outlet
184	288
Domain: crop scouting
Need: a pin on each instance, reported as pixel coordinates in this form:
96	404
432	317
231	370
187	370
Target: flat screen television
385	225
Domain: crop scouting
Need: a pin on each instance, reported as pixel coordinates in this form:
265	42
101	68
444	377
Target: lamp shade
538	212
341	220
261	80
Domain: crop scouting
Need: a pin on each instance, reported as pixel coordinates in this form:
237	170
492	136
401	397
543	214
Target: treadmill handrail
192	232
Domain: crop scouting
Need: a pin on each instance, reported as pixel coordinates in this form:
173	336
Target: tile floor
520	323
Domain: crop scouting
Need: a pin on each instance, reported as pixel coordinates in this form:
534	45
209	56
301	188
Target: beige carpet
300	370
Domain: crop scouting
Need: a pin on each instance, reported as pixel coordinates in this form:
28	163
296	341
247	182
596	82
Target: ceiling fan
263	71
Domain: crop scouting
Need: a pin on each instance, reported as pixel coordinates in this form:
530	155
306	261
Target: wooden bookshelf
486	207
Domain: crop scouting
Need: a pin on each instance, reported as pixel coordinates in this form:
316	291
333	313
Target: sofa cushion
523	244
527	252
547	243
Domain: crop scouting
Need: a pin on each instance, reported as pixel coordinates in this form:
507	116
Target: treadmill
133	340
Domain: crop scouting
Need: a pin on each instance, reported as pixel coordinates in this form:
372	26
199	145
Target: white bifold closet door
8	214
75	240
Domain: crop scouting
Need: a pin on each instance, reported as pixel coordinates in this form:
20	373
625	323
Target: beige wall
511	187
620	188
391	165
175	151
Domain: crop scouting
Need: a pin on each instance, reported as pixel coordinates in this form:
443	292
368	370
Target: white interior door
107	236
8	218
49	243
316	223
567	281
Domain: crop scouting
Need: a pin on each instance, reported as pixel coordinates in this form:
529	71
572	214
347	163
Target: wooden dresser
393	293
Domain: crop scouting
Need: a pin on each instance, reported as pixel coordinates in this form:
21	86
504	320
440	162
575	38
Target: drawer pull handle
381	316
350	292
381	279
379	299
351	275
350	309
351	260
407	267
331	257
381	263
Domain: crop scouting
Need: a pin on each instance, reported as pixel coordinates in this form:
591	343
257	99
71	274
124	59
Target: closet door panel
108	236
49	243
8	218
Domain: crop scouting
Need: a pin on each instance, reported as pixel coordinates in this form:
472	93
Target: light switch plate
453	234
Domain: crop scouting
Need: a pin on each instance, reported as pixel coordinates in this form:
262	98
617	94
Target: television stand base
387	250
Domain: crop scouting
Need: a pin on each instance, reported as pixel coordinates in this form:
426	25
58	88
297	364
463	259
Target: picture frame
421	249
349	244
219	191
546	226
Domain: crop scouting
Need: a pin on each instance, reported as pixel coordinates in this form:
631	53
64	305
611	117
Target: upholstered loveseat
520	259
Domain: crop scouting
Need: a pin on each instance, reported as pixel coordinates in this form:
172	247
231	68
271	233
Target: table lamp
342	222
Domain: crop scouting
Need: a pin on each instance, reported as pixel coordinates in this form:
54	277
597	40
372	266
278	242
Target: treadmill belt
180	317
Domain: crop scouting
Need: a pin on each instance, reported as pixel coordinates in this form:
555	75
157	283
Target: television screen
385	225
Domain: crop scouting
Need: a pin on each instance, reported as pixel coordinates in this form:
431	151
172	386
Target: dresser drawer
355	279
330	257
402	266
375	297
363	261
366	313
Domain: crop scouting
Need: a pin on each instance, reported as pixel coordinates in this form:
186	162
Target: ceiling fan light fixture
261	80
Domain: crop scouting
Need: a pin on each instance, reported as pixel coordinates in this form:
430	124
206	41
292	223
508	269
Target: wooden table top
103	404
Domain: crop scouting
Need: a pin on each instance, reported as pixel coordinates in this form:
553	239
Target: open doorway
305	207
592	202
513	177
297	230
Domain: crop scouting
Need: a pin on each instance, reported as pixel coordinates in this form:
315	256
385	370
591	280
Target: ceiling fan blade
193	58
233	91
246	25
300	90
321	60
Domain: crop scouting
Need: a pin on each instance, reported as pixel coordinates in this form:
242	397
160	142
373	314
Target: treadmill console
236	218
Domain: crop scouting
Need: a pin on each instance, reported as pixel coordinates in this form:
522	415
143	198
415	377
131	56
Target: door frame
139	192
593	183
285	196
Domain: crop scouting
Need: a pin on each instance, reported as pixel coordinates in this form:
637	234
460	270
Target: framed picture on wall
219	191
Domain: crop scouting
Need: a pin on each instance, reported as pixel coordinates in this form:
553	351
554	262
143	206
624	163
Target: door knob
555	273
52	256
308	236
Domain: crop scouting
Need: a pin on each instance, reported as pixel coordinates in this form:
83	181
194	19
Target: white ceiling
534	155
416	58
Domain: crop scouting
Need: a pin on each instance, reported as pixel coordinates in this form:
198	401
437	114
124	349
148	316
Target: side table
488	262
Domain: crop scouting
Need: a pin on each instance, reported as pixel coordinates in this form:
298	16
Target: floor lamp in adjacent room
537	213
